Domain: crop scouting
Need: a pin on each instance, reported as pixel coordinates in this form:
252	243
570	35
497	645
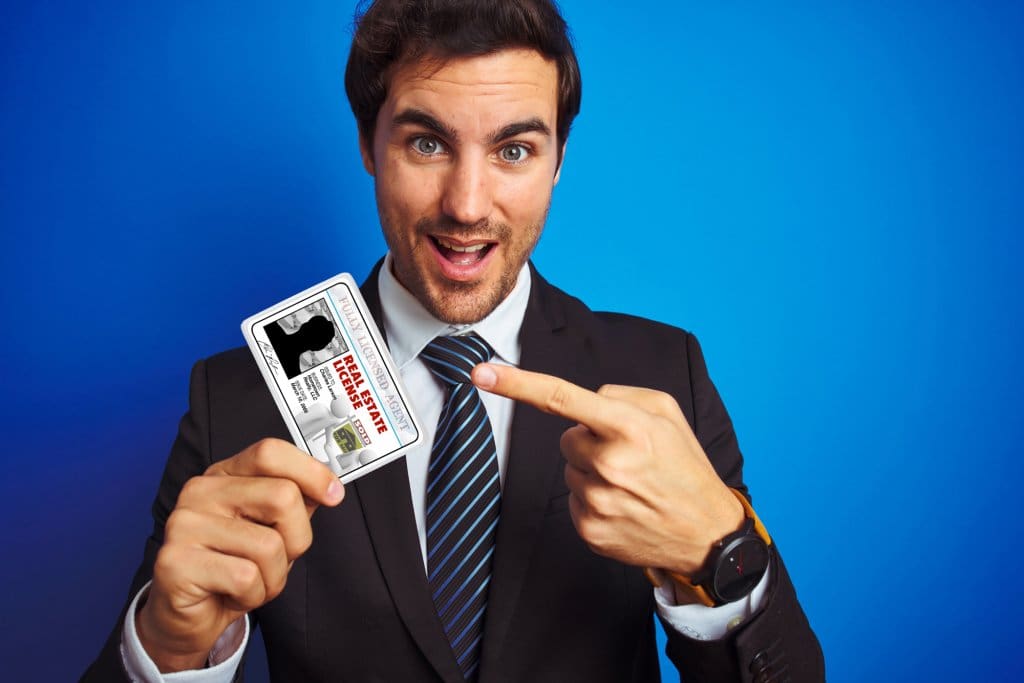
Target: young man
603	457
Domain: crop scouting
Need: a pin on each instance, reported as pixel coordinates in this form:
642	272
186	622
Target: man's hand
228	546
641	489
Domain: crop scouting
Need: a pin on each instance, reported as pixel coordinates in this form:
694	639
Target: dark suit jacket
357	606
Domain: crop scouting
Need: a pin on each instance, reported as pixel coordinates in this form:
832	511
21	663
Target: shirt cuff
224	659
708	623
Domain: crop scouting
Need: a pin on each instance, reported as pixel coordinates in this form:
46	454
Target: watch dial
740	569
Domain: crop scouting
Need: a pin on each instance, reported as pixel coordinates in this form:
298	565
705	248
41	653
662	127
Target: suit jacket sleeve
776	642
190	456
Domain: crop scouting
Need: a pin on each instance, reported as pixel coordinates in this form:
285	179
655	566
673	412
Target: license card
332	378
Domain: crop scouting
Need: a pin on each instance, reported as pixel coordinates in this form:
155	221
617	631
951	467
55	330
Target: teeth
454	247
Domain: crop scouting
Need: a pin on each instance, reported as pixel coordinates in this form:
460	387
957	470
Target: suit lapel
387	507
535	463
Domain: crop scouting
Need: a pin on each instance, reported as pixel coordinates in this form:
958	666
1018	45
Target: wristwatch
734	565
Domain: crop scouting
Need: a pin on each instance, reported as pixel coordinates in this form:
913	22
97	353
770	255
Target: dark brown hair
392	32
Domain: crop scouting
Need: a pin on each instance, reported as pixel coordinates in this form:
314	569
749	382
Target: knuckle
268	544
173	527
285	495
265	453
665	403
611	466
559	398
587	528
246	577
598	504
567	441
275	584
192	491
170	566
262	452
302	541
215	468
635	431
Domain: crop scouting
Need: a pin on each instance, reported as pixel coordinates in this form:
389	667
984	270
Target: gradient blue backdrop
827	194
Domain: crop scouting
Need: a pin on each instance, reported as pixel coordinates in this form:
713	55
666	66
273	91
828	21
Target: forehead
477	92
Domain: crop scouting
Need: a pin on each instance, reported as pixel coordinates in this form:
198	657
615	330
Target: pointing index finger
551	395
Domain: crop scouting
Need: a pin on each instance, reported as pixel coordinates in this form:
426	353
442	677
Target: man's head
464	107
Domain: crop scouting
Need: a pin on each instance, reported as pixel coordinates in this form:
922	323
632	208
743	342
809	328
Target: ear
558	171
366	152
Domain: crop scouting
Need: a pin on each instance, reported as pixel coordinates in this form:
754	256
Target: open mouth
462	253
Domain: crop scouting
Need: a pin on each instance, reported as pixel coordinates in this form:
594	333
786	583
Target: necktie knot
451	359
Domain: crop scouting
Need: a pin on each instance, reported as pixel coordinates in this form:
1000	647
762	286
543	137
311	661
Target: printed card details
332	378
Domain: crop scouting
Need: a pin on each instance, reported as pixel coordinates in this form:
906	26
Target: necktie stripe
480	439
455	479
472	343
458	539
449	582
459	375
465	412
483	512
463	498
454	517
467	622
450	601
460	476
457	496
473	567
462	354
476	424
470	667
439	592
461	358
465	439
446	416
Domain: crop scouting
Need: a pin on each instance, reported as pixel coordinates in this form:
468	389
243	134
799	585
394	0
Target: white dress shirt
409	328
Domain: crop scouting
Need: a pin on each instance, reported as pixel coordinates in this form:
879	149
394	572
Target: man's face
465	156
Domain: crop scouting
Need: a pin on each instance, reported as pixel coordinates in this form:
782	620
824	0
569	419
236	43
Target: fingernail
334	491
484	376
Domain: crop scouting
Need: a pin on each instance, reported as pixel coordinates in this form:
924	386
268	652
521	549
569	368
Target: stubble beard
460	303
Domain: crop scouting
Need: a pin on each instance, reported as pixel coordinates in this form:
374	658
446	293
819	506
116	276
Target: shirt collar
410	327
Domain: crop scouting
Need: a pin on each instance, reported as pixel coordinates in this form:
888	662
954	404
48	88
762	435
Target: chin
464	304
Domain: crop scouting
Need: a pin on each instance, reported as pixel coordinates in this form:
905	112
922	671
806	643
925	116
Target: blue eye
514	154
427	146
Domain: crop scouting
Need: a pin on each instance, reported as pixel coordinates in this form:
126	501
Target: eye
427	145
514	154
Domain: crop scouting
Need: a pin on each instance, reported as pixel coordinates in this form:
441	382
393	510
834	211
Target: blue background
827	194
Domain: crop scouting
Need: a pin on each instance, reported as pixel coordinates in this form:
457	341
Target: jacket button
759	662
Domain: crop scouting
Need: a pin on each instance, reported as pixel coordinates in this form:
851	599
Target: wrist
166	660
689	559
732	566
729	520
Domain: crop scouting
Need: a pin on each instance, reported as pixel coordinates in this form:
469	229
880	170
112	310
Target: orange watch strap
759	528
681	584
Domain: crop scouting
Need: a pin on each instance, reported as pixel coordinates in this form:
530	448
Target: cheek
527	202
408	195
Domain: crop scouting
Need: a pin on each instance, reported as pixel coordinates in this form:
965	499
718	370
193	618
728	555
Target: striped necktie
463	498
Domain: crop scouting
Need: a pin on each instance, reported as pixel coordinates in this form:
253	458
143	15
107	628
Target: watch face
741	567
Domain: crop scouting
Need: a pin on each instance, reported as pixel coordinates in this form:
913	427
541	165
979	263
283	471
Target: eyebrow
418	117
533	125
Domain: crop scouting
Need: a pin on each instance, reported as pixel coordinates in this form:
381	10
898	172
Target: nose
468	193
